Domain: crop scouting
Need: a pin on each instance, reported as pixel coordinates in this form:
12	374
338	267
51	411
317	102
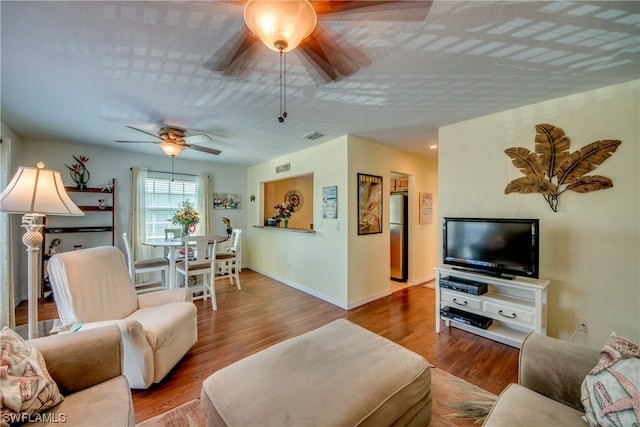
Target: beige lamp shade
37	190
280	25
171	149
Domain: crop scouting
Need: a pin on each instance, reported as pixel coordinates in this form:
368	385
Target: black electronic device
463	285
502	247
466	317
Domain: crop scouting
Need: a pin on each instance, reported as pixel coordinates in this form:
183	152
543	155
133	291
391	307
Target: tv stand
517	306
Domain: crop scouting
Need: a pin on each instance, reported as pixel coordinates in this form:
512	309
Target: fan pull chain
280	118
172	159
284	97
283	86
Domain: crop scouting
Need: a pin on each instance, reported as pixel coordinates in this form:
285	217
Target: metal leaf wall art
552	170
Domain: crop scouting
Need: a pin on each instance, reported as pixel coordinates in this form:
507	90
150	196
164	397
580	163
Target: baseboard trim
302	288
369	299
320	295
422	281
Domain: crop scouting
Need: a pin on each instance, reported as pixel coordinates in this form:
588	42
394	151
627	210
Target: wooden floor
265	312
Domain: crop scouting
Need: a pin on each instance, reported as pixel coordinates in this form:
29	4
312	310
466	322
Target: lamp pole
32	239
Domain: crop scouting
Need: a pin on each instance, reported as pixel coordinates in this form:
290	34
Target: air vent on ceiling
314	135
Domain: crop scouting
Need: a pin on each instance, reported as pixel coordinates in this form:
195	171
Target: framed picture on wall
330	202
369	204
226	201
426	208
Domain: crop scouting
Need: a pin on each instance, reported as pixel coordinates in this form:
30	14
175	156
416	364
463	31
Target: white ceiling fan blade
138	142
143	131
198	138
206	150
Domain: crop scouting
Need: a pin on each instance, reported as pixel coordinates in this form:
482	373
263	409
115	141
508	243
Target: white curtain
7	313
137	215
205	203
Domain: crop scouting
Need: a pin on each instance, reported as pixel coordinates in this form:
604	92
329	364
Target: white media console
516	307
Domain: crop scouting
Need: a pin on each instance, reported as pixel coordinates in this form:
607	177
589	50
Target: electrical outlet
583	323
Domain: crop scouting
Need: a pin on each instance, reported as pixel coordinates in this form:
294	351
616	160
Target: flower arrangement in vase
283	213
79	172
186	217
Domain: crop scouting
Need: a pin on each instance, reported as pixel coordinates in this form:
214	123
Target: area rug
455	403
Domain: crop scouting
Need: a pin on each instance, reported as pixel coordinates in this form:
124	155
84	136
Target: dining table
172	245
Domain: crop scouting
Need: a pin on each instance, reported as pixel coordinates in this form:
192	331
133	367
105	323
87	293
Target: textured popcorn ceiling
81	71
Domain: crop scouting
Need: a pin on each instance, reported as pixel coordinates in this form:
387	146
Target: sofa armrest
82	359
555	368
138	356
152	299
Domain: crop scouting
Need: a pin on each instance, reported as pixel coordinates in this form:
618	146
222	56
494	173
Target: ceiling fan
283	26
174	140
332	57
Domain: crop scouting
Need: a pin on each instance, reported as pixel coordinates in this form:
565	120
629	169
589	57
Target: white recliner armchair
93	286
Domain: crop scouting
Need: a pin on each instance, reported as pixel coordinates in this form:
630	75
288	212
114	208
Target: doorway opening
399	230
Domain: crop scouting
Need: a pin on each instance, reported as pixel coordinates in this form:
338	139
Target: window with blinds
162	199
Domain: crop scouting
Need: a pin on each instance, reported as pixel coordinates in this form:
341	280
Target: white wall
106	163
315	263
590	248
334	263
369	254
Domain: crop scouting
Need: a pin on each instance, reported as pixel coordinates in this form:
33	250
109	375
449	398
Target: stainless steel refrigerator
399	236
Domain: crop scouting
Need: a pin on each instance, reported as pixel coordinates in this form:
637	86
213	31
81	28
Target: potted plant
186	217
79	172
283	213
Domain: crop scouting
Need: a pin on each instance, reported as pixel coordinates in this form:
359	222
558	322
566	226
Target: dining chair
203	262
170	234
146	266
228	262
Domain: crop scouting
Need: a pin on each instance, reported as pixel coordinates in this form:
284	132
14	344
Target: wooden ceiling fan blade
315	58
345	57
243	64
333	56
205	149
234	53
419	8
143	131
325	7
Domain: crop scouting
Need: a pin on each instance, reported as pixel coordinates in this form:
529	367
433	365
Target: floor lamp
35	192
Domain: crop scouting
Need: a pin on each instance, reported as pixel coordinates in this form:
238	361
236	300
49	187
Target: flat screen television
501	247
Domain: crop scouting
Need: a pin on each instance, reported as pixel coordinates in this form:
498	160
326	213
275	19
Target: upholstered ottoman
337	375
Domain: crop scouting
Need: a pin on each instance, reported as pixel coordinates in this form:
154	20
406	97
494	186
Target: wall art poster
330	202
226	201
426	208
369	204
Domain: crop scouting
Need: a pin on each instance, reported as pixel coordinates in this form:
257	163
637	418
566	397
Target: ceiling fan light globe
171	149
280	25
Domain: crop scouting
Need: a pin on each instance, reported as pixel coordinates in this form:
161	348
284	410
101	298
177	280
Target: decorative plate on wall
294	198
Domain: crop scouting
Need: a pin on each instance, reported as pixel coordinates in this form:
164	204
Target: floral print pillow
26	387
611	391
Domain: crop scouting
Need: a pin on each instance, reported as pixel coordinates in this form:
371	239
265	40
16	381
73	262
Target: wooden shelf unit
104	216
517	307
